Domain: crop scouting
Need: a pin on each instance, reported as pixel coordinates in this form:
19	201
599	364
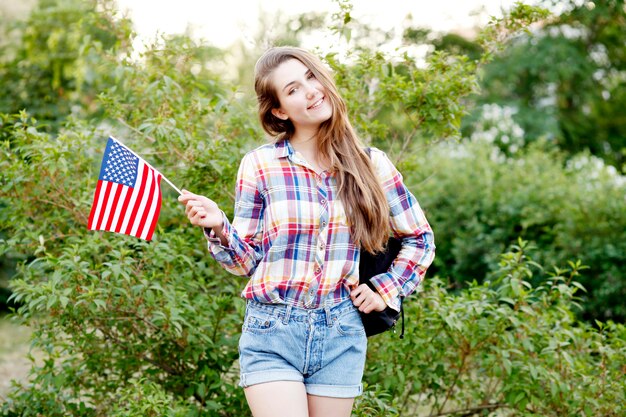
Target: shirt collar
283	149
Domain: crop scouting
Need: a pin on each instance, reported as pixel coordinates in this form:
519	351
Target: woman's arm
237	246
409	224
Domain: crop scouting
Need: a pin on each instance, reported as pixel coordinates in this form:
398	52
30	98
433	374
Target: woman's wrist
218	232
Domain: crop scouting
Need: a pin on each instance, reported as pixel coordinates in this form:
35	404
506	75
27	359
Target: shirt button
322	245
323	224
318	270
323	201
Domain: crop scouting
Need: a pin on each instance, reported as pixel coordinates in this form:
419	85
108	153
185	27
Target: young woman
306	206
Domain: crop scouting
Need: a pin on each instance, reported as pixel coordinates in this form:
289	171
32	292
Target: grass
14	348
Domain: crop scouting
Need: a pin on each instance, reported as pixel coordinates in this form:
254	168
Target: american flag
128	194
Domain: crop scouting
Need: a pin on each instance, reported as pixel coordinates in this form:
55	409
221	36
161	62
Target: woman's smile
317	103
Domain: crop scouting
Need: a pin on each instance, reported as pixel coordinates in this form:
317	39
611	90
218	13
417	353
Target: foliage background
130	328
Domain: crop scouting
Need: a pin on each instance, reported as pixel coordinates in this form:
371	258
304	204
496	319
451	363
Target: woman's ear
280	114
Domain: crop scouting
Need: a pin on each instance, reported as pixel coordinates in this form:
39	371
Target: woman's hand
367	300
201	211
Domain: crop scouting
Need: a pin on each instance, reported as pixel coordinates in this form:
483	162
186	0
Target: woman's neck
307	147
304	142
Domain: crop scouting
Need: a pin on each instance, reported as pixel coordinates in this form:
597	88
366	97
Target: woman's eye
311	75
293	90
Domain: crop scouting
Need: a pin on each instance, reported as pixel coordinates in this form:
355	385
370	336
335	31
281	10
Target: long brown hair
360	191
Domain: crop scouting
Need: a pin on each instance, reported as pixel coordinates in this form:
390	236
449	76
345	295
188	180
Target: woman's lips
316	104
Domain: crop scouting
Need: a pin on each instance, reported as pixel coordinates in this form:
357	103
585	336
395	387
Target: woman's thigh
329	406
278	399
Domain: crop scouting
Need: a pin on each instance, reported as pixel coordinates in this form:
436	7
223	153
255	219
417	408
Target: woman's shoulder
266	148
260	155
375	152
380	160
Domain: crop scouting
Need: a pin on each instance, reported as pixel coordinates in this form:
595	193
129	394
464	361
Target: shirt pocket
338	213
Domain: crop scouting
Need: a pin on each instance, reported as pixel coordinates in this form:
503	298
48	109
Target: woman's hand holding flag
203	212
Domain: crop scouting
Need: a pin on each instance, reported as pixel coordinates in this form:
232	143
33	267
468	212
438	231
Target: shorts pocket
259	322
350	324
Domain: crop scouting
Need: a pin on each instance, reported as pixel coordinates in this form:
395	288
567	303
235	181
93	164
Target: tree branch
134	129
472	410
456	379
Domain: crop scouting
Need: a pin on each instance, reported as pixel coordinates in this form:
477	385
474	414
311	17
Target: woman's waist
289	311
304	294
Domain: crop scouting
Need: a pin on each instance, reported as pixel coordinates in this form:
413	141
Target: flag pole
170	183
162	176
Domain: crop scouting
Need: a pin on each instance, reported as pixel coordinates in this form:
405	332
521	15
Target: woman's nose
311	91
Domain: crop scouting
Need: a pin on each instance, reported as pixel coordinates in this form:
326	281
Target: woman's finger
186	196
362	299
354	294
191	204
360	290
196	220
190	210
197	212
367	308
366	299
371	306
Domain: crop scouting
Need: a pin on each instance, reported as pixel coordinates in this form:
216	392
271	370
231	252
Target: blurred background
507	122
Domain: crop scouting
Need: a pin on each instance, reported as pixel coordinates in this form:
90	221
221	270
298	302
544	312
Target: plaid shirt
291	237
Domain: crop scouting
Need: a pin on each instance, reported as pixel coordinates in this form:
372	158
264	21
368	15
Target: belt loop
329	318
287	314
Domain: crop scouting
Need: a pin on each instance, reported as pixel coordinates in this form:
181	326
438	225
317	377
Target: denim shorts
323	348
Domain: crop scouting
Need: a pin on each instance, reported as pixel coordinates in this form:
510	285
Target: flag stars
120	166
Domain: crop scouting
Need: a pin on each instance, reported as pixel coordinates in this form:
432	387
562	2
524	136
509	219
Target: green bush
478	200
58	67
110	307
503	345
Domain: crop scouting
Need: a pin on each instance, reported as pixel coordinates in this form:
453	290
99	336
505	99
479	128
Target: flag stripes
128	194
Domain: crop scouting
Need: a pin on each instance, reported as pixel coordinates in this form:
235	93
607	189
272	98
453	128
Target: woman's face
302	97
